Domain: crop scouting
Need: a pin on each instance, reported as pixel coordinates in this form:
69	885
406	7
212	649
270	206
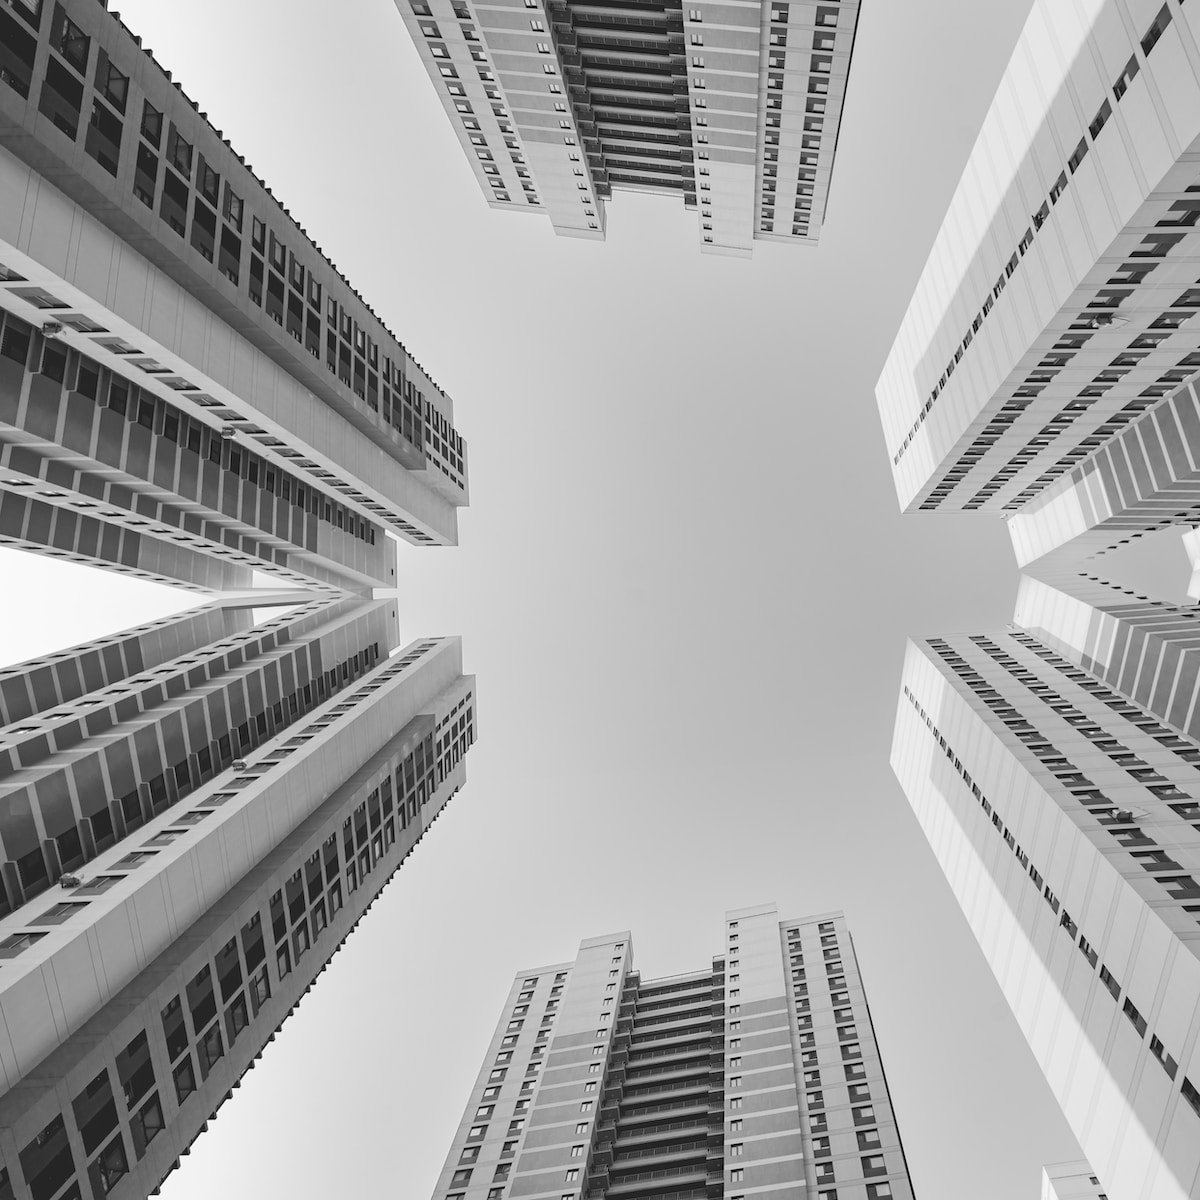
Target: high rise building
1065	818
733	106
196	811
757	1075
1053	310
1043	372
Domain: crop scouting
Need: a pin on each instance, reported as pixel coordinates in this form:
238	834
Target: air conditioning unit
51	329
239	764
68	880
228	433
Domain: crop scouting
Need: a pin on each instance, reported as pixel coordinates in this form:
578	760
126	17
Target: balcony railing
665	1173
699	1123
659	1151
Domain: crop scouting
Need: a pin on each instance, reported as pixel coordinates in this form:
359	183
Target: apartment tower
757	1075
1044	373
196	811
734	106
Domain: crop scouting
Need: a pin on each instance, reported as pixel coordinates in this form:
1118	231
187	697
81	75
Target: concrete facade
159	253
757	1076
1052	310
735	106
1042	372
1065	820
1071	1181
195	812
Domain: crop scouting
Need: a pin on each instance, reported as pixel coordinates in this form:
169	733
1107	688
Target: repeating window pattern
120	815
833	1064
33	872
1065	922
176	176
199	1018
812	58
456	62
72	396
1099	313
1117	821
633	101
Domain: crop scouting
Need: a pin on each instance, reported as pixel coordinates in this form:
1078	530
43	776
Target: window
1157	27
152	124
1127	76
1191	1095
179	153
1106	977
736	1175
879	1191
873	1164
185	1079
735	1149
581	1127
16	942
1135	1017
1165	1060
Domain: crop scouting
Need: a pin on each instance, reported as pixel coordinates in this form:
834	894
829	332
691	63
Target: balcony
671	1153
693	1045
697	1125
646	1181
650	1093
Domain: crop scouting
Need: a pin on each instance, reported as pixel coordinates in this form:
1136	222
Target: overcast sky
683	583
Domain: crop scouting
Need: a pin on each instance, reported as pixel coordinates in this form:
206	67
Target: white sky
683	583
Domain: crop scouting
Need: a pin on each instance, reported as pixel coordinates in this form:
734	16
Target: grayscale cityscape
816	496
